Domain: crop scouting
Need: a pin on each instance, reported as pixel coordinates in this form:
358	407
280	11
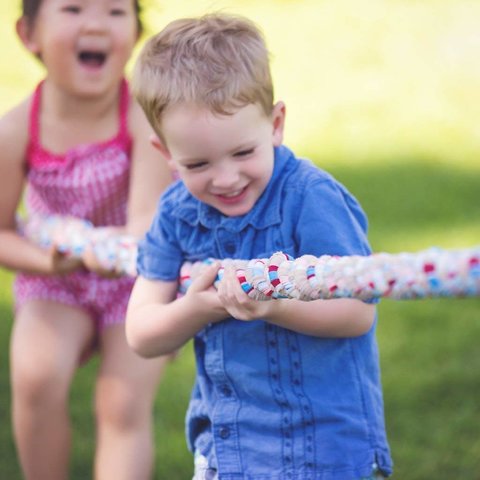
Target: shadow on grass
429	349
410	202
430	362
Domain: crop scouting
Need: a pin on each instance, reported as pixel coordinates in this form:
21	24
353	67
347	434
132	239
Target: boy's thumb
205	279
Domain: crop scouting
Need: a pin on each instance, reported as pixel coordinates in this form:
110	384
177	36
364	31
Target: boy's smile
225	161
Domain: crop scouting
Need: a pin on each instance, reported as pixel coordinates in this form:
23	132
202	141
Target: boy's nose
225	177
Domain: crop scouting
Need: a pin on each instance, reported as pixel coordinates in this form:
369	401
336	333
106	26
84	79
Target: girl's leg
125	393
47	341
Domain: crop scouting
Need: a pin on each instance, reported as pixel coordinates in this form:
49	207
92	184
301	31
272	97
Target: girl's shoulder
137	122
138	127
14	132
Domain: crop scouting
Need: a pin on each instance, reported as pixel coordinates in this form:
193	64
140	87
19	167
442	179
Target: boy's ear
278	122
162	148
25	32
159	145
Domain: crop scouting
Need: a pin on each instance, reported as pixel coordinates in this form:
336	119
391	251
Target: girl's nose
94	21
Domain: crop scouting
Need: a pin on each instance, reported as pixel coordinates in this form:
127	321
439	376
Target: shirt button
224	433
226	391
230	248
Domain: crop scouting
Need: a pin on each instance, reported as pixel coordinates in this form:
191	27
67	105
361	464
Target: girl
81	145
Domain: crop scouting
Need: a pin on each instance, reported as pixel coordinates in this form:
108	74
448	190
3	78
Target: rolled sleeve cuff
154	265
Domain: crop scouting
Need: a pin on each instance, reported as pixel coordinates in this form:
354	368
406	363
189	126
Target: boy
285	389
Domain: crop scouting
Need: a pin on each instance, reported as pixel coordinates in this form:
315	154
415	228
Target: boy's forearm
323	318
159	329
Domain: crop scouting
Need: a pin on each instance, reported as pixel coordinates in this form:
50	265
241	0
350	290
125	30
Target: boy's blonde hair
218	61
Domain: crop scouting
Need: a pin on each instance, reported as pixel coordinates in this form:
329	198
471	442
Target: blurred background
384	94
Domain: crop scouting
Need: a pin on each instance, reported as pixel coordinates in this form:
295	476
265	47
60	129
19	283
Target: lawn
384	95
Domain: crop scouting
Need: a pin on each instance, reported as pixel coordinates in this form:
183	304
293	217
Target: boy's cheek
174	169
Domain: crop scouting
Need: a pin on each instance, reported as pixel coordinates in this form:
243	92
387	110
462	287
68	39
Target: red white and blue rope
429	273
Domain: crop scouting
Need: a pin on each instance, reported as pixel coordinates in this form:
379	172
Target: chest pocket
278	238
197	244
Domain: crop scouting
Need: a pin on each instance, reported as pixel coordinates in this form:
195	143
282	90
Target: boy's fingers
205	279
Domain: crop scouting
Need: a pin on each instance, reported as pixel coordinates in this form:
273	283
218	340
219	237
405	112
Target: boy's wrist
204	307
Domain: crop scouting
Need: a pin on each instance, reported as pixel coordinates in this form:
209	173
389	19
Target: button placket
306	408
224	431
226	242
275	379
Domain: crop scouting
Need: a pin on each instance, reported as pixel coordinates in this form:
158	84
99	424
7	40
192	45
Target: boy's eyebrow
244	146
190	160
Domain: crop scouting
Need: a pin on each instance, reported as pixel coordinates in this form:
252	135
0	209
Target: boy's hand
205	296
236	302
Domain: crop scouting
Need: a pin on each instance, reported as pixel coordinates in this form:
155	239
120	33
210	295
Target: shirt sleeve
159	255
330	221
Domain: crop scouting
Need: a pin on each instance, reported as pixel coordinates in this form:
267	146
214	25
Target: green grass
384	94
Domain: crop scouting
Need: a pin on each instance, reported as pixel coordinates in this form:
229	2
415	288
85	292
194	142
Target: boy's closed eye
244	153
196	165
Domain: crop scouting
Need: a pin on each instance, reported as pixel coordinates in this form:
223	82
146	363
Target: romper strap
34	122
123	134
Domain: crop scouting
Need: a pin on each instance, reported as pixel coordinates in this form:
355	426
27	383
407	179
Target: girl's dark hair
30	11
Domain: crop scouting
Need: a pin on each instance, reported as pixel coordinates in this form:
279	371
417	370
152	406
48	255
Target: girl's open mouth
92	59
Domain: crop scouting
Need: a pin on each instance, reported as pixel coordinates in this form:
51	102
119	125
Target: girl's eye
71	9
117	12
244	153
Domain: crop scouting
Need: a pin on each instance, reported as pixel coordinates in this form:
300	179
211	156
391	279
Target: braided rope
73	235
429	273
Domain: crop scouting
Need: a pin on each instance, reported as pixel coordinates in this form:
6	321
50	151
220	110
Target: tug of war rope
429	273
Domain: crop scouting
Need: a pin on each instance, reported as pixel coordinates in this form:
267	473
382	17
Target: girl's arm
158	323
321	318
150	174
17	253
149	177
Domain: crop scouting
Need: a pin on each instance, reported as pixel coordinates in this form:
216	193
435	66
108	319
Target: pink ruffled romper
89	182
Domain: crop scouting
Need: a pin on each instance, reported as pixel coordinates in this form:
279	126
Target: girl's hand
62	263
237	303
91	263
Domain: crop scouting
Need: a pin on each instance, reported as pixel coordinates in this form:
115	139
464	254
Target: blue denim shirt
271	403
